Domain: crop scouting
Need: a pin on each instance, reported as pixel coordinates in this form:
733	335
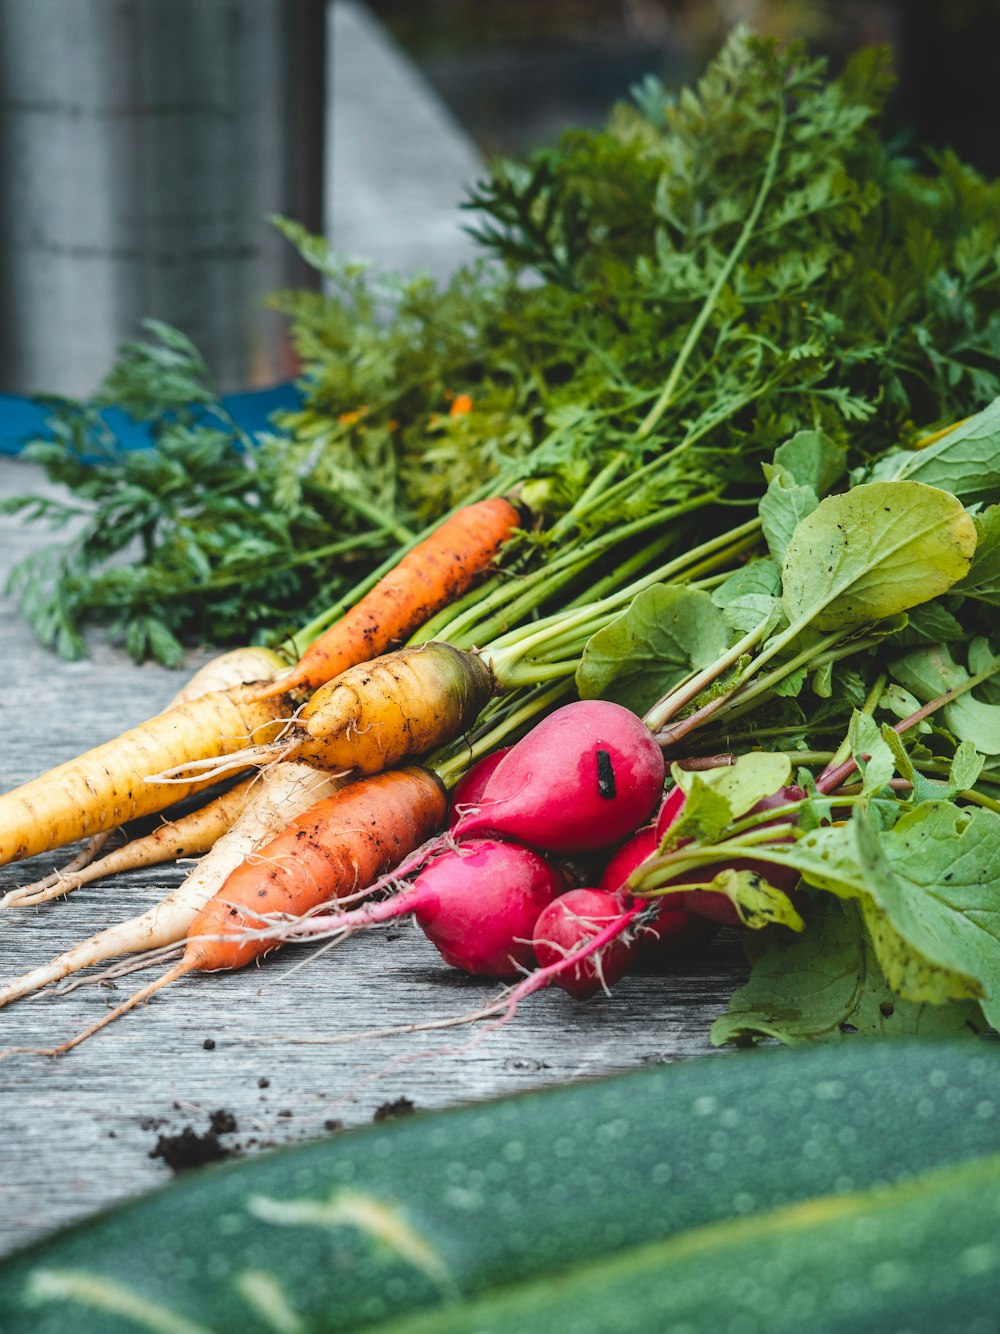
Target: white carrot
277	796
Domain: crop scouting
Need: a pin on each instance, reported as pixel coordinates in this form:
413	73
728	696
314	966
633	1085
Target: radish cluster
582	781
501	895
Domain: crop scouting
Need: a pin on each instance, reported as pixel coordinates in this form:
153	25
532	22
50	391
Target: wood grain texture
77	1132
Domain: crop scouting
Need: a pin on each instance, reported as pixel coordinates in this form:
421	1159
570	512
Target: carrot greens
659	305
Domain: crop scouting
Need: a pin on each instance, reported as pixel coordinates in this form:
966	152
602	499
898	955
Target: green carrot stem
666	397
452	763
566	626
371	513
533	673
626	571
743	697
598	484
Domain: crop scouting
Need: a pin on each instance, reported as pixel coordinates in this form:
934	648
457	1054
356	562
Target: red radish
569	925
583	778
477	904
715	907
675	929
669	812
469	789
631	854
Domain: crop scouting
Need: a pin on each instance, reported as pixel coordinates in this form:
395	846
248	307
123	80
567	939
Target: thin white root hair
214	767
148	960
26	894
310	958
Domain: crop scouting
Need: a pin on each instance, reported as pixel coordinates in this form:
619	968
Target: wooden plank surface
78	1131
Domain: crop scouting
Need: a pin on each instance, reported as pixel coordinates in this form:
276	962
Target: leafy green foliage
694	285
666	631
825	983
197	538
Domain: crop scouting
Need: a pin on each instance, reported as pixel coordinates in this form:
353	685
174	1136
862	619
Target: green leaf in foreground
665	633
825	983
927	887
875	551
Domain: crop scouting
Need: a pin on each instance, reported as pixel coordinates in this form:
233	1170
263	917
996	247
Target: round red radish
478	904
469	789
719	908
674	930
583	778
669	812
631	854
568	923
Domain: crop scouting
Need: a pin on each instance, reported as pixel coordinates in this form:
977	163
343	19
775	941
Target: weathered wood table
80	1132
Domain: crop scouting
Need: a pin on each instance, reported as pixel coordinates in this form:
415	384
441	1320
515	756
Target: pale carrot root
337	846
275	799
90	851
178	970
105	787
190	835
430	576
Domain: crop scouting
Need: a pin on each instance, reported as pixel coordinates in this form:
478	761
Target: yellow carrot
105	786
190	835
239	666
396	707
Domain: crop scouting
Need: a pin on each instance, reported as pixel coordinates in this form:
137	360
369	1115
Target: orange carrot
340	845
427	578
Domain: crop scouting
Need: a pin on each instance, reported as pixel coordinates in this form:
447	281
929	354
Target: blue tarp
23	419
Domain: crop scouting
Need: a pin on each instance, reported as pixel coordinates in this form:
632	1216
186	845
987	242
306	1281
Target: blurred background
516	73
143	143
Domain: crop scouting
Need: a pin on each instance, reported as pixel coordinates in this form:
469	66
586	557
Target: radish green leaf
874	551
825	983
666	633
965	462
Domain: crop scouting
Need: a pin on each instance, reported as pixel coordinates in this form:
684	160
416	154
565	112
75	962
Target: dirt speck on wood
188	1149
401	1107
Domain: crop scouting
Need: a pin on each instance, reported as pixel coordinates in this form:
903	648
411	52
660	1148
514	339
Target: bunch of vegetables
707	514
